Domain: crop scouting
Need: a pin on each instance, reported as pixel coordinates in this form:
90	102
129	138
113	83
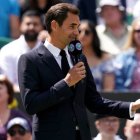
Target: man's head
111	11
62	21
132	128
18	129
31	25
107	125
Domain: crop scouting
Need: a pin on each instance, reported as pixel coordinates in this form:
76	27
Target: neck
107	137
117	29
116	25
3	108
31	44
54	41
4	114
88	51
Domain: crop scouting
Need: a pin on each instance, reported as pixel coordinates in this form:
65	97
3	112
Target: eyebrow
74	24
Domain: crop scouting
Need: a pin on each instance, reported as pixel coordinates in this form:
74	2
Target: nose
137	130
31	26
76	32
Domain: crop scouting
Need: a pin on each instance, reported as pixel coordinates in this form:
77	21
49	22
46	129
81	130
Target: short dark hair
31	13
59	13
9	86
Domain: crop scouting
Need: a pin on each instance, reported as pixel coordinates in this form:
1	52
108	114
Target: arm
14	26
14	19
108	82
97	104
34	99
6	62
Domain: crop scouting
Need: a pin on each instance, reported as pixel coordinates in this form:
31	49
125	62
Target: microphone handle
77	59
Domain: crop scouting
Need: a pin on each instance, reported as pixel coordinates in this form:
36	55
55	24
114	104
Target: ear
97	124
21	27
54	25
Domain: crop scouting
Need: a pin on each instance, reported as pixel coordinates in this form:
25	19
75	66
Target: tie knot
62	53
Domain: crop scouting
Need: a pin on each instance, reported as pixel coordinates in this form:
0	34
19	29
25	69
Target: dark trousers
78	137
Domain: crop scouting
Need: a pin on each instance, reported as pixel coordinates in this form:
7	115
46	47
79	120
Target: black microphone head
75	48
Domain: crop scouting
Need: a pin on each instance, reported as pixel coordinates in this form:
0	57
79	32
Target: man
18	129
57	98
132	128
30	27
113	31
107	126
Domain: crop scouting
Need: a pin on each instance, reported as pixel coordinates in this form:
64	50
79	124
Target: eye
72	27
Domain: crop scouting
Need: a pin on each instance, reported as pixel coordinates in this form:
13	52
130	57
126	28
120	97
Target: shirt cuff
131	113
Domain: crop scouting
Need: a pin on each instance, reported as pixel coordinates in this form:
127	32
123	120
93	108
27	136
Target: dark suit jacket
56	109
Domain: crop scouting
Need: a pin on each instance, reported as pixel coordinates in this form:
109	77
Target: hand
136	105
75	74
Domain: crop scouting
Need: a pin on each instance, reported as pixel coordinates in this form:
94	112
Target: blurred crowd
110	35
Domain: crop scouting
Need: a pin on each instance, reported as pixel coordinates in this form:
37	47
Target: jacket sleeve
33	98
97	104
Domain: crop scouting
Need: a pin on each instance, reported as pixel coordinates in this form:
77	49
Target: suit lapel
49	60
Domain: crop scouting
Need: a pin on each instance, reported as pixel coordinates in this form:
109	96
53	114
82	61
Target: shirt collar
54	50
25	45
98	137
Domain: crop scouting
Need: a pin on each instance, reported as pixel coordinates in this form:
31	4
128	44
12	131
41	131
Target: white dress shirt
56	53
98	137
9	56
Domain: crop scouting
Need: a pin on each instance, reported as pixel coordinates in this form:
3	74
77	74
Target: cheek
85	40
3	93
137	38
38	28
102	128
117	127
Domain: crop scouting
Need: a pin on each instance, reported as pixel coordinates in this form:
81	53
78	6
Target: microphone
75	50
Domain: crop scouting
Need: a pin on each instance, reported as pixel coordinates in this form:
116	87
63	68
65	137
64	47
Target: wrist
68	82
134	107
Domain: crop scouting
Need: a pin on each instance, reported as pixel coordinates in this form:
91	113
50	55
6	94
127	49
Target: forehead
31	19
83	25
134	123
2	84
109	118
72	19
16	126
106	7
137	25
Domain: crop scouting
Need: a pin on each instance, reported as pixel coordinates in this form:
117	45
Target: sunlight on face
68	31
111	14
31	24
85	34
108	125
132	130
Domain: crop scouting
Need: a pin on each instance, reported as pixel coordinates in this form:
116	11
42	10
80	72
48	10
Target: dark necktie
64	63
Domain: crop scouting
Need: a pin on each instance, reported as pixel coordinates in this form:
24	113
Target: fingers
79	64
80	69
77	73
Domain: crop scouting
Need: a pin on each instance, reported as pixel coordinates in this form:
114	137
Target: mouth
72	38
